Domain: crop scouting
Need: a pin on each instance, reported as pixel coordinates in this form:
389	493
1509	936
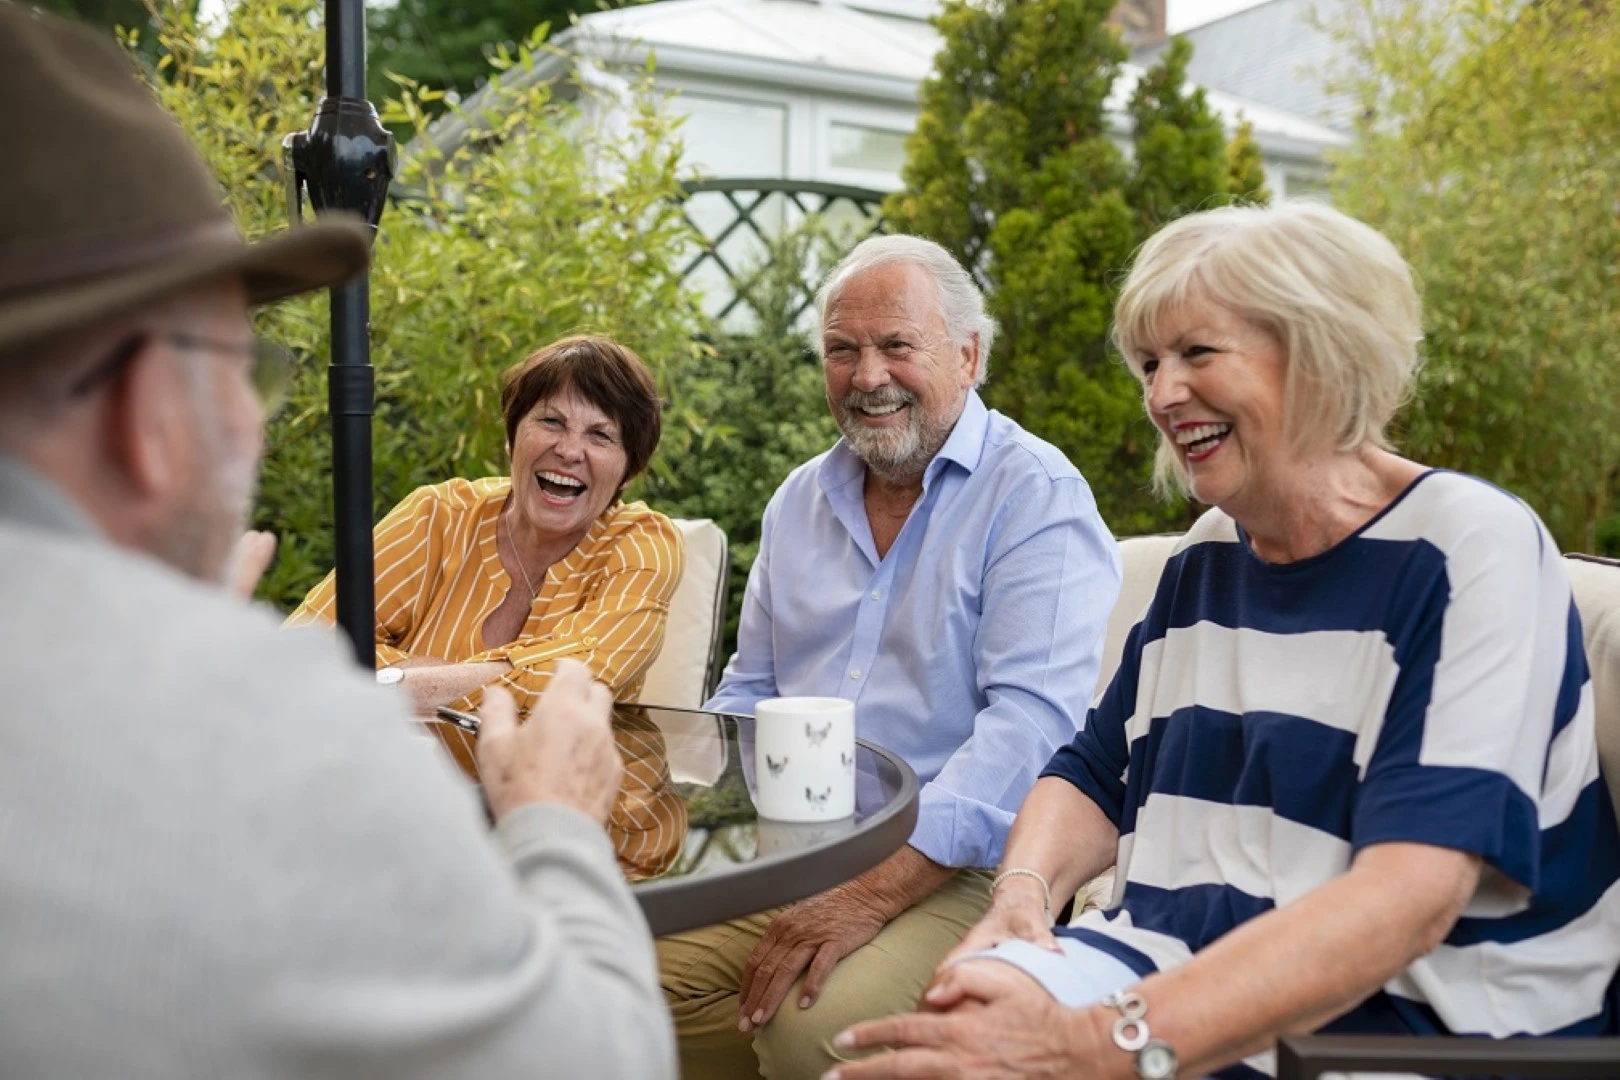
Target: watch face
1156	1061
388	676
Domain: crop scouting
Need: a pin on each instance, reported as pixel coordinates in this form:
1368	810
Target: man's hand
250	557
814	934
565	753
998	1024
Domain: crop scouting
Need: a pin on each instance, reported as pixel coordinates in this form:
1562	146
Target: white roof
873	50
1274	53
877	49
1281	131
799	32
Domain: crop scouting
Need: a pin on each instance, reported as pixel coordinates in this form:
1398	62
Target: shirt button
855	674
590	643
877	594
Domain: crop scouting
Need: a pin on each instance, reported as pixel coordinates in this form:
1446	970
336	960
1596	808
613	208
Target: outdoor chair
1596	586
688	666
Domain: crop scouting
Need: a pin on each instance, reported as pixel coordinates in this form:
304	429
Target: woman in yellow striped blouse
491	580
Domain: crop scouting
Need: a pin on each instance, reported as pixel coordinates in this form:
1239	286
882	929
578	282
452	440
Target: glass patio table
736	863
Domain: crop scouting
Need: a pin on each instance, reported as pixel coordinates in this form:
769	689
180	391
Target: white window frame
796	109
828	113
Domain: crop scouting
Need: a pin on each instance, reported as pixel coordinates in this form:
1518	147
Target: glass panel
712	286
732	138
854	146
846	223
710	212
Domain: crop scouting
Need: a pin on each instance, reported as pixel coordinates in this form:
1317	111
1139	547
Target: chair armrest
1307	1057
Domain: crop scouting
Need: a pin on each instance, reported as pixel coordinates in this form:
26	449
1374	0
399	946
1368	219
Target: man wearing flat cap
223	853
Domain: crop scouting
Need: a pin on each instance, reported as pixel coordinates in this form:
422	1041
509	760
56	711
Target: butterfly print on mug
817	800
775	766
817	737
846	759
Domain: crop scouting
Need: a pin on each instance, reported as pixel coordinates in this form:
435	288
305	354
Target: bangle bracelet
1046	889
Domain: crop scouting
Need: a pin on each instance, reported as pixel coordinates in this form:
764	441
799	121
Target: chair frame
1307	1057
711	678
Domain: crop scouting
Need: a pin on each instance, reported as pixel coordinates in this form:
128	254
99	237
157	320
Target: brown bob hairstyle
601	371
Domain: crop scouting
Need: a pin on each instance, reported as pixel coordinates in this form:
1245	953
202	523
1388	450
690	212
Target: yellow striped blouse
605	604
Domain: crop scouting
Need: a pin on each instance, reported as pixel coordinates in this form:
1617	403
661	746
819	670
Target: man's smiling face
896	383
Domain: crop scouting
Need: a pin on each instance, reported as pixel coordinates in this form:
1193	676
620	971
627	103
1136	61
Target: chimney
1140	22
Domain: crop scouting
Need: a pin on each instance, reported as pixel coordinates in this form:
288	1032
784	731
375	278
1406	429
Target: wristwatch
1155	1059
389	676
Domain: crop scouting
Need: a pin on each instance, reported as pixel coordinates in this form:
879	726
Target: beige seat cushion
1596	584
680	676
1144	558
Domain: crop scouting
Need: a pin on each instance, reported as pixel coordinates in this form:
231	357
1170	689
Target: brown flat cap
104	203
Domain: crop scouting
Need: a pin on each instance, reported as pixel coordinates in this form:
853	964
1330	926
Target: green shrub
1012	167
1606	537
1487	149
548	229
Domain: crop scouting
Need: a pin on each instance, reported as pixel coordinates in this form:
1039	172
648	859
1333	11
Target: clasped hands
986	1019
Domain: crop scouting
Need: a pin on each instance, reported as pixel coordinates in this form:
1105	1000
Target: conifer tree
1180	160
1014	168
1245	171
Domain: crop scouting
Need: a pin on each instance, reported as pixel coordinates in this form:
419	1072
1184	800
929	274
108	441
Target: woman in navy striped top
1347	768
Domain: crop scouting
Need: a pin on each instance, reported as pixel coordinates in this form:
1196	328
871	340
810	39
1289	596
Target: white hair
1332	291
961	303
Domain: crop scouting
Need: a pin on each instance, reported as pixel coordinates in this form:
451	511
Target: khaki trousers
702	970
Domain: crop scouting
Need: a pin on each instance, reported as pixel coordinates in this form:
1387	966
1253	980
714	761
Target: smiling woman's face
568	462
1215	388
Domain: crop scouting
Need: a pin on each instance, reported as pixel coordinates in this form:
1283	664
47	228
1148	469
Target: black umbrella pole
345	162
351	387
346	49
351	395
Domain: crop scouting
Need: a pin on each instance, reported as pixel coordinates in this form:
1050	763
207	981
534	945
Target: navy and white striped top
1422	681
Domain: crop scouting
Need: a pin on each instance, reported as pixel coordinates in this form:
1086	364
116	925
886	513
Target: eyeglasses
271	374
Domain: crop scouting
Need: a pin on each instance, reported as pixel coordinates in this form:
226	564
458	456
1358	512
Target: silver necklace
511	542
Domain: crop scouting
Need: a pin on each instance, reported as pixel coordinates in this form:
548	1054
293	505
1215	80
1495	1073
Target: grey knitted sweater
223	854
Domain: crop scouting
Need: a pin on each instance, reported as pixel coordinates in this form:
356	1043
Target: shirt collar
31	499
964	446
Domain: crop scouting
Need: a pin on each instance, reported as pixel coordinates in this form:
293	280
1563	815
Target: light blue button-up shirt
971	649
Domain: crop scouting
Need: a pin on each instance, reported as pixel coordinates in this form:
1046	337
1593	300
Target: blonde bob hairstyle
1333	292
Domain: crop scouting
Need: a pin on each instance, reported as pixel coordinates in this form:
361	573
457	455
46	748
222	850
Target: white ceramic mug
804	758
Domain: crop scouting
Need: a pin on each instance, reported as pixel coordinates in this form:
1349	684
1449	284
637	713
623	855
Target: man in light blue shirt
945	570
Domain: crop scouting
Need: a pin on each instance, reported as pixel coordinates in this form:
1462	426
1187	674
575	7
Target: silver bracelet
1046	889
1130	1030
1155	1060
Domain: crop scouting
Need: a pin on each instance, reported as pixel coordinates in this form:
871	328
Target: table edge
686	903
